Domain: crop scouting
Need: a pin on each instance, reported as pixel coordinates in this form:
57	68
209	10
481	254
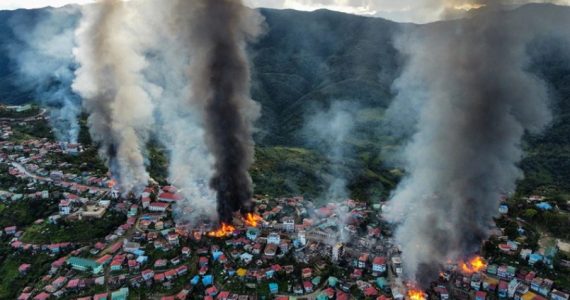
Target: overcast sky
400	10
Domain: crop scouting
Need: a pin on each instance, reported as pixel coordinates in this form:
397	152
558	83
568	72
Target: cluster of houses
503	281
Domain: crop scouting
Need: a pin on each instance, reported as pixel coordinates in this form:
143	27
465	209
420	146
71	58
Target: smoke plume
177	125
44	64
114	91
475	101
328	130
220	81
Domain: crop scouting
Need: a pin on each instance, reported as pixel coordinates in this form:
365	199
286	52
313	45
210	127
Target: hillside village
298	250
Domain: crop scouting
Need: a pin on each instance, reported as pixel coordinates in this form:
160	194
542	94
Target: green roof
83	262
121	294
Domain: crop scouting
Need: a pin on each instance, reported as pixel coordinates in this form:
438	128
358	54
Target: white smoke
114	91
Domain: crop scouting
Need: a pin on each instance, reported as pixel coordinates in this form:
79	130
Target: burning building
219	69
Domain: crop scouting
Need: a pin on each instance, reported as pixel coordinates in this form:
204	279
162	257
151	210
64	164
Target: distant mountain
308	60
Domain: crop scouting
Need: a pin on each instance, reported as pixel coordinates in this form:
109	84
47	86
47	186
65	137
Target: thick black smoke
478	102
220	88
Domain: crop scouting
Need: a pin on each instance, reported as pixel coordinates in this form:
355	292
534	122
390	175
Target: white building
158	206
64	207
301	236
274	238
289	224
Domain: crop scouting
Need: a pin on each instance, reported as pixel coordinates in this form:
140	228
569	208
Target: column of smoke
113	90
178	125
220	80
329	130
44	64
479	102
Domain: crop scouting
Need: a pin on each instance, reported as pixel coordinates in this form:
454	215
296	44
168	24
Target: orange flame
224	231
414	294
111	183
473	265
252	219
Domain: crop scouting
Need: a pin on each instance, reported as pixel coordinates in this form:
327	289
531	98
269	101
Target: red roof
100	296
370	291
503	285
379	260
42	296
159	277
24	296
340	295
159	204
104	259
73	283
169	197
169	189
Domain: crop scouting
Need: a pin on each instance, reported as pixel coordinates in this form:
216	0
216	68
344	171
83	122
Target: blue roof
544	206
208	280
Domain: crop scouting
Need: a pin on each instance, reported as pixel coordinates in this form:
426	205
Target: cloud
15	4
417	11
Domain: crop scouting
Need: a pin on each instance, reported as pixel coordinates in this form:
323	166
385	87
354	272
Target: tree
530	213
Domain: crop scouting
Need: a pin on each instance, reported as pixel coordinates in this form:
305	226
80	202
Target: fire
474	265
224	231
414	294
111	183
252	219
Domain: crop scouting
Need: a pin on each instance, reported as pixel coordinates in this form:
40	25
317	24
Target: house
274	238
270	250
308	286
480	295
158	206
147	274
173	239
542	286
362	260
159	277
212	291
379	264
116	265
64	207
252	233
24	268
160	263
503	209
503	289
289	224
534	258
102	296
307	273
11	230
246	258
370	291
357	273
442	292
558	295
121	294
83	264
169	197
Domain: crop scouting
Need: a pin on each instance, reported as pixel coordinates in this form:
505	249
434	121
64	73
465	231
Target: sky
418	11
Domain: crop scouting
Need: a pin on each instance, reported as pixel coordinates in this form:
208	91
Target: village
289	248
